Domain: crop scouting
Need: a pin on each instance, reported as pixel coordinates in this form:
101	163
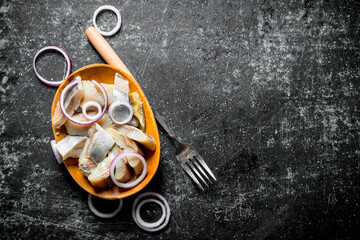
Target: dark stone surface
267	92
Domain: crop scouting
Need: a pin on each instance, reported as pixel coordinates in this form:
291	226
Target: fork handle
164	126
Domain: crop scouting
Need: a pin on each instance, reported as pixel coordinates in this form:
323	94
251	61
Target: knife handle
105	50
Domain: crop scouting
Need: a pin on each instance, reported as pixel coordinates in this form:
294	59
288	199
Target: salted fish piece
121	89
82	130
128	145
123	171
137	135
133	122
100	143
91	93
100	176
86	165
71	146
71	103
109	88
138	109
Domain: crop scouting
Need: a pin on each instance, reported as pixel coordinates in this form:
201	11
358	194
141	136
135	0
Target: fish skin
72	102
121	89
71	146
86	165
100	143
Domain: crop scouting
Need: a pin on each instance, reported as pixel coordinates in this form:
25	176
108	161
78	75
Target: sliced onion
62	97
68	61
133	183
137	205
100	214
118	16
117	104
88	105
152	224
56	153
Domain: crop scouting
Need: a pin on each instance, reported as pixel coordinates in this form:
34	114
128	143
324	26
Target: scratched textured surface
267	92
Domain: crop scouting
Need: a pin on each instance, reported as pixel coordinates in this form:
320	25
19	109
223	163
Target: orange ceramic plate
105	74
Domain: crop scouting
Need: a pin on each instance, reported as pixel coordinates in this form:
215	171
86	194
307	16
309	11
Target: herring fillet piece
91	93
100	176
71	146
138	109
86	165
72	128
121	89
122	171
71	102
128	145
137	135
133	122
100	143
109	89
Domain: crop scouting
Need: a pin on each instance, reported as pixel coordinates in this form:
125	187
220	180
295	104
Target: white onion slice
90	104
62	97
68	61
56	153
138	201
118	16
150	224
129	184
100	214
118	104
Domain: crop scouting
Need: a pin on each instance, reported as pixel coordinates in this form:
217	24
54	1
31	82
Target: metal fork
189	159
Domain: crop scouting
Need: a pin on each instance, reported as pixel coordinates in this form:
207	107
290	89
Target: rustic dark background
267	92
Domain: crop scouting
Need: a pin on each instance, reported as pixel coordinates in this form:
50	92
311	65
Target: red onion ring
133	183
150	224
56	153
113	107
157	196
118	16
100	214
91	104
68	61
62	97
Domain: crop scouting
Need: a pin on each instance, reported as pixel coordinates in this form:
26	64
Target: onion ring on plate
100	214
119	104
133	183
56	153
91	104
68	61
118	16
62	98
150	195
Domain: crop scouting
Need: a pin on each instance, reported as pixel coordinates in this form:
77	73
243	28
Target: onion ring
56	153
62	97
68	61
157	196
91	104
118	16
152	224
133	183
113	107
100	214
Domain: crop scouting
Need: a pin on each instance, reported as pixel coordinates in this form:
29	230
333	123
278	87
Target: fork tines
197	169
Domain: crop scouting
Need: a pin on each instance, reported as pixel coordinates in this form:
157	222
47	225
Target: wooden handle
105	50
